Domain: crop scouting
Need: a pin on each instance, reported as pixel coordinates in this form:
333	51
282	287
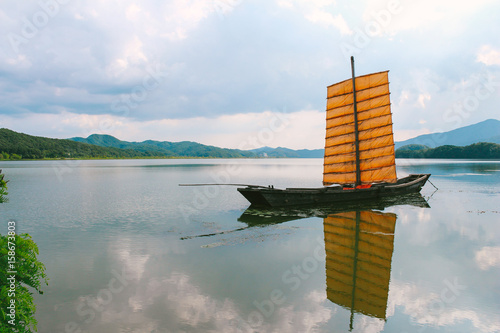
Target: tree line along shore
17	146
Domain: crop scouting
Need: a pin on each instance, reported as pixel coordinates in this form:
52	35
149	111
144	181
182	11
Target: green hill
485	131
165	148
289	153
194	149
14	145
481	150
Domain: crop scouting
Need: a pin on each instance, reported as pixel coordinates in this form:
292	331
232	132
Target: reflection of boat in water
359	246
359	242
359	150
262	216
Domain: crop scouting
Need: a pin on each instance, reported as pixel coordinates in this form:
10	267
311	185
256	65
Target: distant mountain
14	145
193	149
481	150
165	148
485	131
290	153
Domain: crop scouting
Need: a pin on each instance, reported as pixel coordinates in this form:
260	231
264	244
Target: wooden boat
359	160
273	197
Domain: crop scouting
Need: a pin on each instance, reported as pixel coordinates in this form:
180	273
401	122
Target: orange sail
374	127
359	247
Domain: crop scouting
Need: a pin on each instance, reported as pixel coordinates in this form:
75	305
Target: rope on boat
432	184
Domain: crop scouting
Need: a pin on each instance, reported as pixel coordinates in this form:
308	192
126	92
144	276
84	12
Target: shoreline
231	158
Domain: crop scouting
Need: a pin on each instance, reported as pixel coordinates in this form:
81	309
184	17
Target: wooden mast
356	134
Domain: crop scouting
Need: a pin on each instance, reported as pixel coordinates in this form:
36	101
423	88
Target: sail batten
362	116
372	134
367	164
363	95
364	155
371	138
367	104
362	82
384	126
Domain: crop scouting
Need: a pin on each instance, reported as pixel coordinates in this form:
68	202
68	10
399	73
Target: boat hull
271	197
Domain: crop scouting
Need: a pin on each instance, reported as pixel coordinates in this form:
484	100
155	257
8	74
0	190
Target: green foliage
414	147
166	148
20	271
194	149
481	150
3	188
30	273
15	146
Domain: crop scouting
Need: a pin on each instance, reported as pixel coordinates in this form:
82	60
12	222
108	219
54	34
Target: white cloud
422	98
327	19
366	324
133	12
168	302
319	12
132	54
430	308
20	61
488	257
311	3
418	90
301	318
488	55
423	15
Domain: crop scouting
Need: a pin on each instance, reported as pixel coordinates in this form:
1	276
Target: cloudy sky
230	72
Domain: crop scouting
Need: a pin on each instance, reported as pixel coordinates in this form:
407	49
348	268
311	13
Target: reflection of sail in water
359	247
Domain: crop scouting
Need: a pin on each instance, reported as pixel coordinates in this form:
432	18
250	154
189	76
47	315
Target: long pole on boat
356	134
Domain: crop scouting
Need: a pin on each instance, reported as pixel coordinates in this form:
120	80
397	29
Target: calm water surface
128	250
